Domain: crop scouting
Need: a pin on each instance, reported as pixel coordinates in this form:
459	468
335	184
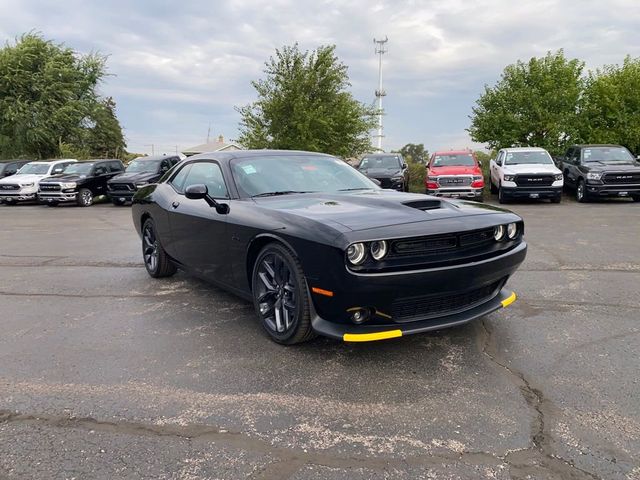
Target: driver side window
209	174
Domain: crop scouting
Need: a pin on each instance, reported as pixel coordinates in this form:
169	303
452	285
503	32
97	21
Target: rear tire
280	295
85	197
156	260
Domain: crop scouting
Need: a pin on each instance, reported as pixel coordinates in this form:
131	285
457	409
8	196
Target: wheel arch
254	248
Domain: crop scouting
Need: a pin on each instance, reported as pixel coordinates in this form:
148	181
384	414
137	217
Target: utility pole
380	50
153	151
209	132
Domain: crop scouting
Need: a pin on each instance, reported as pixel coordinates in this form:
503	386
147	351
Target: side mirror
200	191
376	181
404	165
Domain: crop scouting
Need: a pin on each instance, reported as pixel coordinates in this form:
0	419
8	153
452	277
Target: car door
494	168
198	231
571	165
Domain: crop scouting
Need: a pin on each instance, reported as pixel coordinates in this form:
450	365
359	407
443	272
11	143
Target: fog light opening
360	315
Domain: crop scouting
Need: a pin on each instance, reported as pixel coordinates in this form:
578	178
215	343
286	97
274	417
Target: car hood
24	178
532	168
133	177
381	172
457	170
376	209
71	177
610	167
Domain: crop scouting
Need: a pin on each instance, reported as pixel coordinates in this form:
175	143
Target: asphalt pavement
108	373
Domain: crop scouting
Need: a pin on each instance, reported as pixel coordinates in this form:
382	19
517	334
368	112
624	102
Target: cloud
180	66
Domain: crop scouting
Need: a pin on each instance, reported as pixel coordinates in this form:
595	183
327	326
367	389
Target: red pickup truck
456	174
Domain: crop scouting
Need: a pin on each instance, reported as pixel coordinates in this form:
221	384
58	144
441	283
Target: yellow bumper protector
509	300
371	337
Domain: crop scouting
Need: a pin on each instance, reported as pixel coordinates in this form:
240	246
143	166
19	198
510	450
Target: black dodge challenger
320	249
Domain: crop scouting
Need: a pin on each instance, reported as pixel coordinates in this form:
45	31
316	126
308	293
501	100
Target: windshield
79	168
380	161
34	169
606	154
527	158
453	160
143	166
280	175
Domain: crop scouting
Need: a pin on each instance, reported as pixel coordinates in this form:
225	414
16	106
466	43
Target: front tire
85	197
492	187
581	192
502	198
635	198
117	202
156	260
280	295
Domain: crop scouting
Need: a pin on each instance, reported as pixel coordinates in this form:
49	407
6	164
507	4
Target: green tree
415	152
533	104
49	101
303	103
610	107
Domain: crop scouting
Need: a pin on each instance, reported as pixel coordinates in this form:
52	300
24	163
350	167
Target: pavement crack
541	455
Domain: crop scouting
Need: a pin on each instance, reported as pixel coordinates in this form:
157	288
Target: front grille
455	181
429	306
384	182
440	243
534	180
50	187
121	187
622	178
10	187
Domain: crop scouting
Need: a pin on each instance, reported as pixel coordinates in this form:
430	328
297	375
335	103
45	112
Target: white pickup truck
525	172
23	186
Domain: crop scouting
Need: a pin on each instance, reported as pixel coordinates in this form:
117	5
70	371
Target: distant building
219	146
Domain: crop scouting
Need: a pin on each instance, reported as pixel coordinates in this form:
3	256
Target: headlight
141	184
26	184
356	253
594	175
512	230
397	178
379	249
498	232
68	185
558	177
509	178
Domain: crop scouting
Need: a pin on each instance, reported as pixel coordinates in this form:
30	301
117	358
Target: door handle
175	204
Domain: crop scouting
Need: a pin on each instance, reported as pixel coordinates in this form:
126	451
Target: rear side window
116	167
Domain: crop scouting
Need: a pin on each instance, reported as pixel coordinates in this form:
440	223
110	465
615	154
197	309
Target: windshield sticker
587	153
249	169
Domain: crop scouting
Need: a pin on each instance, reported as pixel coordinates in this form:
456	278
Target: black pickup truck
600	171
140	172
80	182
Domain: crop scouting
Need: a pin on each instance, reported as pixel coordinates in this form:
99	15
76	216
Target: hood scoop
424	204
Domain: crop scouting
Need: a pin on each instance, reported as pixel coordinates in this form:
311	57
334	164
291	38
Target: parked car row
71	181
591	171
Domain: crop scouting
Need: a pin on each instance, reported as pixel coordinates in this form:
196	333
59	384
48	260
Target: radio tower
380	50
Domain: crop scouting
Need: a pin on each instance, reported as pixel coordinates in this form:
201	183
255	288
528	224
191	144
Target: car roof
155	157
378	154
524	149
237	154
592	145
453	152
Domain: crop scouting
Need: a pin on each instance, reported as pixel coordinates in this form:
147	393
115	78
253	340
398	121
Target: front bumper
612	190
57	197
17	196
413	301
121	195
362	333
461	192
532	192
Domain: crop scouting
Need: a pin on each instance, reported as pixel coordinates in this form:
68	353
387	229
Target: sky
177	68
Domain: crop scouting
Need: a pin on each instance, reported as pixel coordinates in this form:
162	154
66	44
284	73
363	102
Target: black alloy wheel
156	260
85	197
280	295
581	192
